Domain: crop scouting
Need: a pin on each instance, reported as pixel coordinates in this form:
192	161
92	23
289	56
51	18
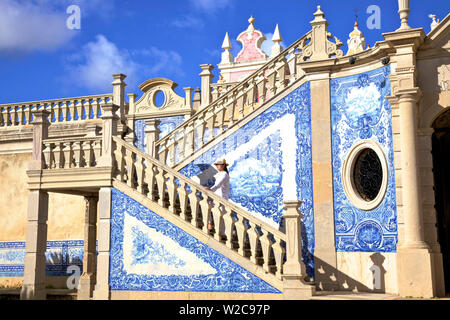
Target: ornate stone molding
173	103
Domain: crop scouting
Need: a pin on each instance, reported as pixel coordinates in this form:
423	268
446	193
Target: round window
364	175
368	174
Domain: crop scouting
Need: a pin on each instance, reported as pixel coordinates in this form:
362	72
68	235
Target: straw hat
221	161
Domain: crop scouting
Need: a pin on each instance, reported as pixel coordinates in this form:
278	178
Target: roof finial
251	27
226	44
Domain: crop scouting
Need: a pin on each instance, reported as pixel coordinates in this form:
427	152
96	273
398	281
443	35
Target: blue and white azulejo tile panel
166	125
360	111
270	161
59	254
148	253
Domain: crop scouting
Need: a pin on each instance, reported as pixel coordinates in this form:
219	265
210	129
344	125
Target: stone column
206	78
109	123
325	257
87	280
188	100
101	291
36	239
294	271
151	136
415	271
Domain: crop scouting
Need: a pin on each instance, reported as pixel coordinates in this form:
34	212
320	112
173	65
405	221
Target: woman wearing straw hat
221	187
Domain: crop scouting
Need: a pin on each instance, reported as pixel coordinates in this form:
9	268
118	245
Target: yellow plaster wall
66	212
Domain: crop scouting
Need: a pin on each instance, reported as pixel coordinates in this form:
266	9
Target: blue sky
40	58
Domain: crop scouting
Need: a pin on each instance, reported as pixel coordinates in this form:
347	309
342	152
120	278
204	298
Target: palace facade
339	169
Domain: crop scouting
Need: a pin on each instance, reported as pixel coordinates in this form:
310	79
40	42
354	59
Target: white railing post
40	133
109	119
151	136
294	287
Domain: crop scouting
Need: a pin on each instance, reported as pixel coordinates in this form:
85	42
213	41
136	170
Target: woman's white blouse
222	184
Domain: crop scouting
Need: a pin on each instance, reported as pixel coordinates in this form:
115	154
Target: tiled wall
148	253
270	161
60	255
360	111
166	125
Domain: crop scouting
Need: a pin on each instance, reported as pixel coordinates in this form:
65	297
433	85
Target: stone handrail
71	152
227	110
65	110
246	234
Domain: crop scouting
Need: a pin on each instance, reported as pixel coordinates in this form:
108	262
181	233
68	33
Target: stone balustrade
67	110
227	109
71	152
245	234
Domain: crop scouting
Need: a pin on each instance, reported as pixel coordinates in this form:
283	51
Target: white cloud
98	60
187	21
28	25
267	44
210	5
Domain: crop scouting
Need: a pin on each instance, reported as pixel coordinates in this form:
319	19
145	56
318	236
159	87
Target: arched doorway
441	171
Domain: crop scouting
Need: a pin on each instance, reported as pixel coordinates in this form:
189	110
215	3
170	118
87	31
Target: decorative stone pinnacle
403	11
226	45
319	16
276	35
251	20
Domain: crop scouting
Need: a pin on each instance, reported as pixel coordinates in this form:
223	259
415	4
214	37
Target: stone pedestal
151	135
101	291
294	271
36	244
87	280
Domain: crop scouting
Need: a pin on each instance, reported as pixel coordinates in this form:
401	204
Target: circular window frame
347	175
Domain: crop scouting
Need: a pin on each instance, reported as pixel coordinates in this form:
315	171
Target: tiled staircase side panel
149	253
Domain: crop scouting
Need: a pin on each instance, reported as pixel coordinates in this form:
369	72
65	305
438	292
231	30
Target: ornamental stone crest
171	102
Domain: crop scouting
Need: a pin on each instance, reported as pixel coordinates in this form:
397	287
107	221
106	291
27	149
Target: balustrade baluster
200	132
2	117
140	173
240	105
281	73
266	247
47	151
65	113
172	191
194	203
57	153
278	252
251	96
217	213
230	110
206	207
87	152
229	222
183	197
220	119
253	237
150	180
161	185
20	115
97	148
172	150
67	151
76	147
271	78
129	165
72	110
210	125
261	87
119	155
241	233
